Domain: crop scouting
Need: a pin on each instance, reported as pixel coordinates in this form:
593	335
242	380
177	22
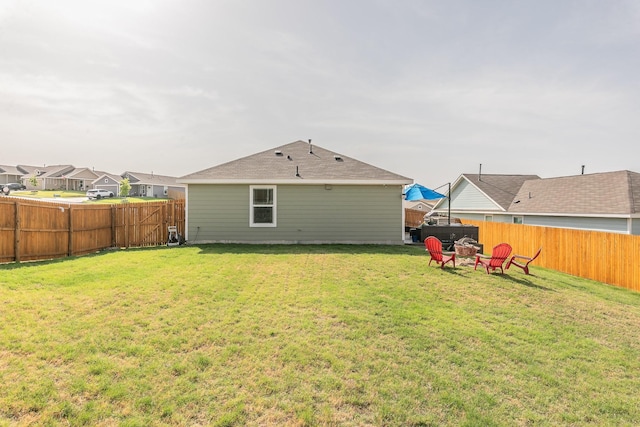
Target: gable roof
53	171
150	179
9	170
606	193
110	176
298	162
501	189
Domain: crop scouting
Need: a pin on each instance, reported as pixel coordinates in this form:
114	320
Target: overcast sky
426	89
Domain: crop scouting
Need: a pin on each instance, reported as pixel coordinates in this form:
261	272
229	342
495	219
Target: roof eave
298	181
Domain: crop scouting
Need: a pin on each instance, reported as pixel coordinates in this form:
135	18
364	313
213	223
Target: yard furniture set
491	263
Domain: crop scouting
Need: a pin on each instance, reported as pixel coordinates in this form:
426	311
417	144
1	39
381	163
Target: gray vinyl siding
305	214
467	197
635	226
472	216
613	225
157	191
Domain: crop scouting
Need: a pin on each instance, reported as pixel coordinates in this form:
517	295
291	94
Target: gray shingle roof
281	163
151	178
10	170
500	188
600	193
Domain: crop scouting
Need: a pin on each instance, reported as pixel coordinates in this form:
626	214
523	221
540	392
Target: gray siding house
153	185
10	174
109	182
608	201
57	177
296	193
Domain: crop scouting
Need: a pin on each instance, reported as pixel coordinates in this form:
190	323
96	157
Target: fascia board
555	214
293	181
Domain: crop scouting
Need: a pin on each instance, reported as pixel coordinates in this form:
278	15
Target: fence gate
31	230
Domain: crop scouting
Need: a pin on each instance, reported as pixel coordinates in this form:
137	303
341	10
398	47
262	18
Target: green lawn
232	335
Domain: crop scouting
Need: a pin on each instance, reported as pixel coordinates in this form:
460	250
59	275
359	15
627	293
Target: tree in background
34	181
125	187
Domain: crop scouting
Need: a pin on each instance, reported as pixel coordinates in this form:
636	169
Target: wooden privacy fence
413	217
32	230
606	257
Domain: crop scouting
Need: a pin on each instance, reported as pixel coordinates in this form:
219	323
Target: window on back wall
263	206
518	220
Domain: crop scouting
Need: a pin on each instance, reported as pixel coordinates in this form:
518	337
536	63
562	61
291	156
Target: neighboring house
608	201
48	177
296	193
420	205
10	174
79	179
57	177
153	185
109	182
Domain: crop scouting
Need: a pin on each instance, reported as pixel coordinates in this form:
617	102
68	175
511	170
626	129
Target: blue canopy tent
420	192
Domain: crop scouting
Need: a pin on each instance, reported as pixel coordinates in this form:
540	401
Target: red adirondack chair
497	258
524	264
434	246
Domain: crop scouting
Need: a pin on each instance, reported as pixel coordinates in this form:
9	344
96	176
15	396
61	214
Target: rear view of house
296	193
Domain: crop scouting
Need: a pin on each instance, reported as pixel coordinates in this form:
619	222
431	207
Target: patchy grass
232	335
50	194
112	200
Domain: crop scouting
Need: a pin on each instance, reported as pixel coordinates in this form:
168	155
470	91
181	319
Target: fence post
16	243
113	226
127	212
70	248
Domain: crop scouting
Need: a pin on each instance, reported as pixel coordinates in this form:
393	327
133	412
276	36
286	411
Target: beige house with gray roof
10	174
608	201
295	193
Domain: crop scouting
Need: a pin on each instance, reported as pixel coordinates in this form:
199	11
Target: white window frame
274	206
518	217
488	218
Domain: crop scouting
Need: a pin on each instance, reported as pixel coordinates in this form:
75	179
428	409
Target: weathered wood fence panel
33	230
91	229
413	217
606	257
7	231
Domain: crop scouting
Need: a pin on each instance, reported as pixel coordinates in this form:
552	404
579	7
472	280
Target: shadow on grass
524	281
288	249
219	248
39	262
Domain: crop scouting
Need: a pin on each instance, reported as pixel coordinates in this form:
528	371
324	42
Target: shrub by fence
33	230
606	257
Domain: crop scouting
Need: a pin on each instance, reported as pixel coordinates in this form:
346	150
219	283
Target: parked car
99	193
13	186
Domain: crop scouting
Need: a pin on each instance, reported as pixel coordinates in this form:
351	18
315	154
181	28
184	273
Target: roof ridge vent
278	153
338	158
